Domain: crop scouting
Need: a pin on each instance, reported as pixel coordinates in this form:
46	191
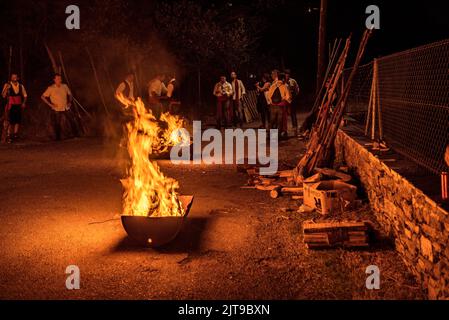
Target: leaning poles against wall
328	122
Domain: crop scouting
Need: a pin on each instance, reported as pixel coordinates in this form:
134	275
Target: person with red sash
16	97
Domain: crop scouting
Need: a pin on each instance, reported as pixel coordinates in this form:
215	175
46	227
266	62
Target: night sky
404	25
291	29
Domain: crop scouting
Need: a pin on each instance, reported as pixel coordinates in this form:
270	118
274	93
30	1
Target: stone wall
418	225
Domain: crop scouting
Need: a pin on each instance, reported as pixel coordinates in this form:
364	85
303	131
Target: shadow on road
187	241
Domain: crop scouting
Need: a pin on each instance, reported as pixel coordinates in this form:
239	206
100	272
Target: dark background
198	38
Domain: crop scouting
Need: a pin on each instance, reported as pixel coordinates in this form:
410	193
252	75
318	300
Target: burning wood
148	192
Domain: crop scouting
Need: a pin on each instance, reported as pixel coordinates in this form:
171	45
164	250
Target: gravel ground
60	205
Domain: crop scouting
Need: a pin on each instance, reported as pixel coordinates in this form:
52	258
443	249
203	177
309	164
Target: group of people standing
229	101
277	98
57	96
162	97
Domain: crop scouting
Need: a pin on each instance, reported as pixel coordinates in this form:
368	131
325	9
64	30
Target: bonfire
148	192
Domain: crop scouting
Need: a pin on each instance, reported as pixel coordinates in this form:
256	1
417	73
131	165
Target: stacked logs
336	234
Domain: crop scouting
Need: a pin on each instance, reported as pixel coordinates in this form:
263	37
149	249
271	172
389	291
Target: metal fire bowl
156	232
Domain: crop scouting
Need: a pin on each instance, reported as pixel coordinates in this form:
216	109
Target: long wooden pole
77	104
379	110
52	59
370	105
108	76
321	44
319	148
374	107
100	91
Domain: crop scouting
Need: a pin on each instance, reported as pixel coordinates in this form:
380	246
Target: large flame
147	191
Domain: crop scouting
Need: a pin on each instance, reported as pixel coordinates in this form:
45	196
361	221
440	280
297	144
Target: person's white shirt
157	88
170	88
283	89
122	86
223	89
241	89
58	96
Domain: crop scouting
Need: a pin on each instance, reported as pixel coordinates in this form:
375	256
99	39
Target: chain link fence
414	102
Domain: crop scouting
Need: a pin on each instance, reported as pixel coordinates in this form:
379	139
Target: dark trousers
174	107
264	111
15	114
276	117
237	108
63	125
223	115
293	111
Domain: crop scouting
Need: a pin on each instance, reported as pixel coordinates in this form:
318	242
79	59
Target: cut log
286	174
276	192
266	188
292	190
266	181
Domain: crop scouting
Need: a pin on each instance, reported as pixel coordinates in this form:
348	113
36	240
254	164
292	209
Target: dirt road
60	206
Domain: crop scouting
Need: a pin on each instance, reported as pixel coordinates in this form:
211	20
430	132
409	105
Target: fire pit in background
156	231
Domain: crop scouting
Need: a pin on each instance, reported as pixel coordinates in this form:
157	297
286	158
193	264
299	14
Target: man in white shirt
59	98
239	91
16	96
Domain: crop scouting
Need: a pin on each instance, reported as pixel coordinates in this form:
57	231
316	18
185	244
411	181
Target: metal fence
414	102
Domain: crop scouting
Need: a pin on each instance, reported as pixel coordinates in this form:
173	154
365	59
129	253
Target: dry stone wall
418	225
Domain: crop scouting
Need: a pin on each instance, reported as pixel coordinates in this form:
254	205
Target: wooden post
374	112
379	110
374	107
370	105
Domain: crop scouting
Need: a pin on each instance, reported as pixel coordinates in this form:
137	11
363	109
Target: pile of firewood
283	182
336	234
279	184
